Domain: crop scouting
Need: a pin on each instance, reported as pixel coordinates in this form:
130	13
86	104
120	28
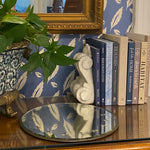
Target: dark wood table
133	131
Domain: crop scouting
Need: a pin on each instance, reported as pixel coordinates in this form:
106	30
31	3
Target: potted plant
15	35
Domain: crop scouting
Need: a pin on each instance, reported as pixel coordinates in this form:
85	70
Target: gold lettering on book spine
142	73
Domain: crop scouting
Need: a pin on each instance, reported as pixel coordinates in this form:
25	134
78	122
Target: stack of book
120	68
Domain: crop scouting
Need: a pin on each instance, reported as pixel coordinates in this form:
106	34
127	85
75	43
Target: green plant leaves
64	49
35	21
3	44
13	19
14	29
47	68
6	7
42	40
33	63
36	60
62	60
47	61
8	4
13	33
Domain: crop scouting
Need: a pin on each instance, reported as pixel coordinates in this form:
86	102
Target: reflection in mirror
69	122
89	20
51	6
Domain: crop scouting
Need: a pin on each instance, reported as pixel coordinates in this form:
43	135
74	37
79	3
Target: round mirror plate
69	122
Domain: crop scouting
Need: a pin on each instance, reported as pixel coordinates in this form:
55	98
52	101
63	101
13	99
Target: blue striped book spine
95	52
108	71
130	70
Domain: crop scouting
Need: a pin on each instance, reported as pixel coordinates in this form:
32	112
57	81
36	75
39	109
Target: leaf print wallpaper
117	20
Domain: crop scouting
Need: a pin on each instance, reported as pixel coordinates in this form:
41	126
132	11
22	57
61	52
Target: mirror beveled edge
88	22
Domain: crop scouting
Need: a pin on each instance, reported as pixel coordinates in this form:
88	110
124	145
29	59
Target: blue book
96	123
102	121
130	70
108	71
103	73
95	52
108	121
102	47
115	73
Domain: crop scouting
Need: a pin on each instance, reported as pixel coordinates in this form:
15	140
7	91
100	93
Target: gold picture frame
90	21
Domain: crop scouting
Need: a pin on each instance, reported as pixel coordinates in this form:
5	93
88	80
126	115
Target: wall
141	20
117	19
141	17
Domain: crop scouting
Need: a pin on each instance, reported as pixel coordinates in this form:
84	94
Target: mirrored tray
69	122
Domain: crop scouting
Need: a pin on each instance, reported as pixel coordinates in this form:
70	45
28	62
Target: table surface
133	131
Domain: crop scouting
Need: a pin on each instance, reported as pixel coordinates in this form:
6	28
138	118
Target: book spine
137	56
147	72
102	47
122	77
96	74
122	70
142	73
115	73
130	68
108	70
102	74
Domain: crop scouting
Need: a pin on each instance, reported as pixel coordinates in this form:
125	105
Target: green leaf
53	46
42	40
62	60
8	4
36	21
33	63
13	19
64	49
47	65
31	32
16	33
29	9
2	12
46	135
3	43
47	70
